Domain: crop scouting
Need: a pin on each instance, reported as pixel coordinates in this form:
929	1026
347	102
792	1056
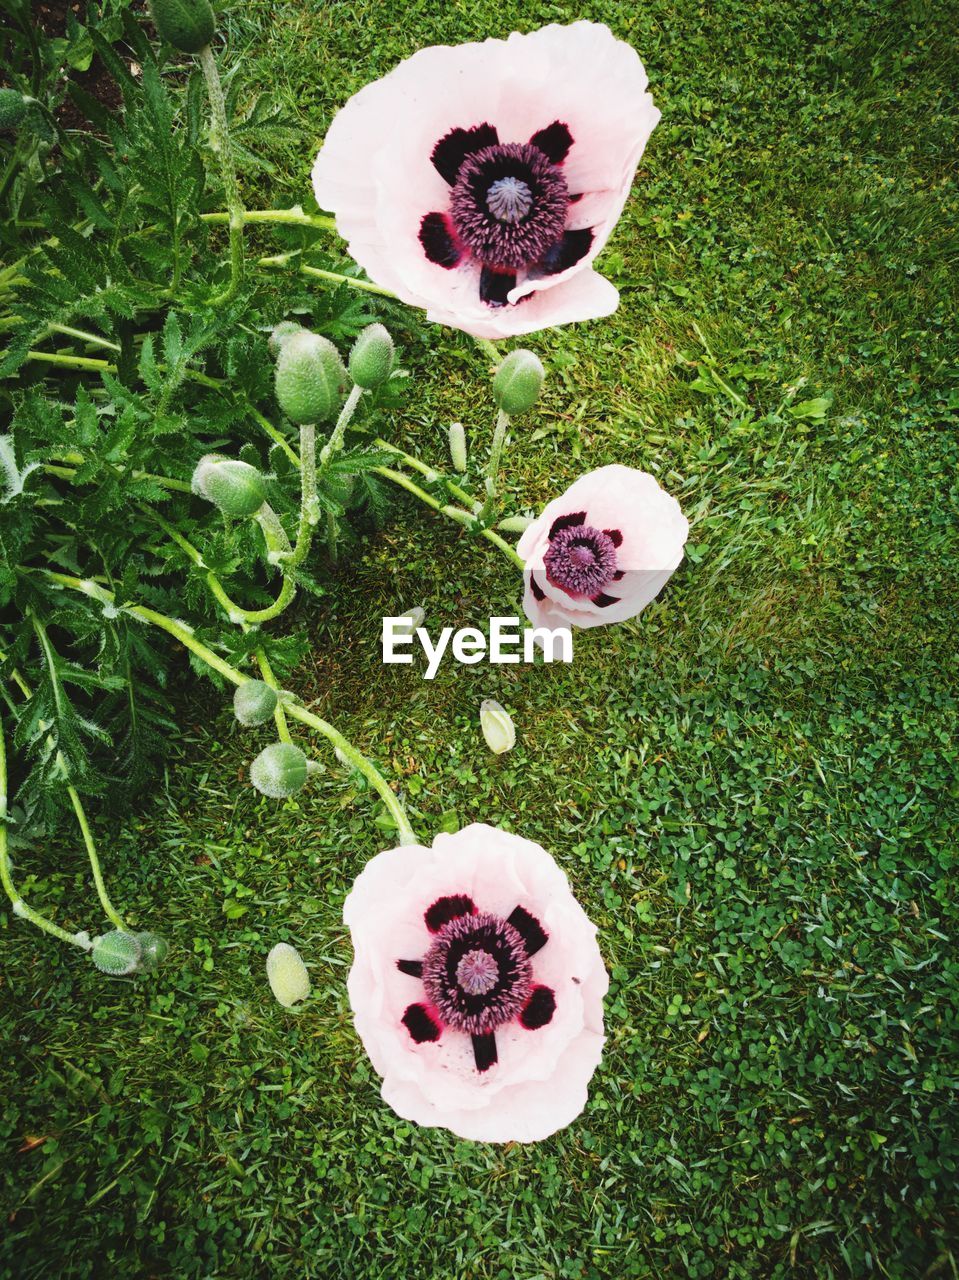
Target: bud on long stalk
189	25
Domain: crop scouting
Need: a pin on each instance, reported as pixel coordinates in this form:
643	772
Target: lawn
753	787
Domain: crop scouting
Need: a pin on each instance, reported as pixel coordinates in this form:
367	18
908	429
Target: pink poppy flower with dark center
480	181
477	985
602	551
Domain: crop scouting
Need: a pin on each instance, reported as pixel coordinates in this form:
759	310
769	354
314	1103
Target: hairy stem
222	145
279	715
335	442
282	260
294	217
109	910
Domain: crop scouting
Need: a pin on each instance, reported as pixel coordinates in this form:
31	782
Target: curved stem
431	474
279	715
221	144
180	631
20	908
109	910
335	442
455	513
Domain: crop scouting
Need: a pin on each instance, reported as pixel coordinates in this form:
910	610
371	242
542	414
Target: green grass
753	788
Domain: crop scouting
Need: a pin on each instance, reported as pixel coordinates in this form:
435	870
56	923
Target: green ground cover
753	787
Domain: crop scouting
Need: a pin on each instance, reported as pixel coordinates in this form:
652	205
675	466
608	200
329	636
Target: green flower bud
458	446
518	382
13	108
254	702
117	953
279	770
515	524
186	24
412	619
310	378
497	726
287	975
281	332
371	360
233	486
153	951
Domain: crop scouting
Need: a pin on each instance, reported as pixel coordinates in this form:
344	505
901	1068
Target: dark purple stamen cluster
509	204
508	207
477	973
581	560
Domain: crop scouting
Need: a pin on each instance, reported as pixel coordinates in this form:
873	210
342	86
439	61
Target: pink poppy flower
602	551
477	985
480	181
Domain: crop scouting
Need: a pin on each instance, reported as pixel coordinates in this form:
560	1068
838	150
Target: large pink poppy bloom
477	985
480	181
602	551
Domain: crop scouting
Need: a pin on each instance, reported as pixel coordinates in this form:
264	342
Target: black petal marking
604	601
566	252
554	141
450	152
437	241
413	967
530	930
619	575
444	910
421	1024
567	522
484	1051
615	537
538	592
539	1009
495	286
579	195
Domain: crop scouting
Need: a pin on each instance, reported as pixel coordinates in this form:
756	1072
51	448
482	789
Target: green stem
496	451
282	259
93	339
431	474
221	144
335	442
455	513
294	217
180	631
109	910
104	366
20	908
70	472
279	715
488	348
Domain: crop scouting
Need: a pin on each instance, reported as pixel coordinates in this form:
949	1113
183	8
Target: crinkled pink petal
539	1081
374	169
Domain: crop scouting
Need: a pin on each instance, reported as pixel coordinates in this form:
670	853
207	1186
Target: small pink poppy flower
477	985
602	551
480	181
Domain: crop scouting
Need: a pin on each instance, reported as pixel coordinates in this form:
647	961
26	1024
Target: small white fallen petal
497	725
287	975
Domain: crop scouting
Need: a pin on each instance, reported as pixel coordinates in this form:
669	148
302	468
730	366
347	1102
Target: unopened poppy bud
186	24
409	621
310	378
153	951
13	108
280	334
518	382
458	446
287	975
280	770
515	524
497	726
371	360
116	953
233	486
254	702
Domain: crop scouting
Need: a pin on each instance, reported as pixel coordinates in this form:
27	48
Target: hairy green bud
153	951
233	486
281	332
254	702
13	108
371	360
518	382
458	446
310	378
280	770
287	975
117	953
188	25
